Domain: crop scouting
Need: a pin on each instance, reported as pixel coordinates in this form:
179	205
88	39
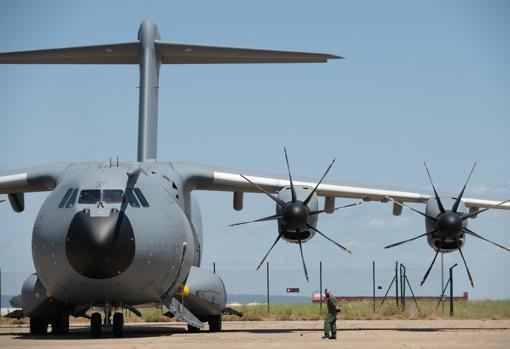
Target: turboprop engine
297	211
446	229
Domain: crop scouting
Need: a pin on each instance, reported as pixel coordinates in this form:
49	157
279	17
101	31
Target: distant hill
275	299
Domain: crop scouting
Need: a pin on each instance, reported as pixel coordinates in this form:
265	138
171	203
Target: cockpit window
90	196
113	196
72	199
141	197
131	198
66	196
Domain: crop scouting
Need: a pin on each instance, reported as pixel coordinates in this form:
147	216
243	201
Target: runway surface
279	334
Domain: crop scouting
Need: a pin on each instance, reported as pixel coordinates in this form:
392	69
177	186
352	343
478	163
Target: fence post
267	283
442	284
402	286
373	283
451	290
396	282
320	285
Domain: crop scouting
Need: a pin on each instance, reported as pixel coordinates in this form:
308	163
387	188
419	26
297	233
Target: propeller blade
326	237
267	254
303	259
470	232
438	200
337	208
408	240
485	209
292	189
429	269
457	202
2	200
277	200
465	264
315	189
412	209
270	218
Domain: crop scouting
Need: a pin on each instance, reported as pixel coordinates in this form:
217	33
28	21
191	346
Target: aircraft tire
215	323
95	325
60	325
38	326
118	325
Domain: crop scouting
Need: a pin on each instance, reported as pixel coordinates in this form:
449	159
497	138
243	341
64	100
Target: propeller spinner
295	214
449	224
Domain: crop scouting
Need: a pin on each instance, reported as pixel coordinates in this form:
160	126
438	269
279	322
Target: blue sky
421	81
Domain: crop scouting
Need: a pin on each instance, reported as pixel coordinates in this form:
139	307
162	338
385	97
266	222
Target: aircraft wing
32	179
203	177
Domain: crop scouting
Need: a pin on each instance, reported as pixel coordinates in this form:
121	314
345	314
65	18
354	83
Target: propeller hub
296	214
449	224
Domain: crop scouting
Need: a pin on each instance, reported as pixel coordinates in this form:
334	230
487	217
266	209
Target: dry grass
363	310
360	310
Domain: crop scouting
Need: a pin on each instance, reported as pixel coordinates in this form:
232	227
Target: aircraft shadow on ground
84	333
435	329
157	331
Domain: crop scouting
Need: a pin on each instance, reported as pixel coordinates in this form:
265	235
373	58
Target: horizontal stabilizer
169	53
124	53
203	54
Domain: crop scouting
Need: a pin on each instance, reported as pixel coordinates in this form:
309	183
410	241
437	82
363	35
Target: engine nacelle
36	302
302	193
204	294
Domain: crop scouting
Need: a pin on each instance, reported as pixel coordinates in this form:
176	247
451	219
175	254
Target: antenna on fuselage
149	53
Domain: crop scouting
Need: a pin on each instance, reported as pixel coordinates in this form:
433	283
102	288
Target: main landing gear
214	322
59	325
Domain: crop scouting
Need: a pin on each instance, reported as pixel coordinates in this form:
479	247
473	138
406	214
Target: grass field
363	310
360	310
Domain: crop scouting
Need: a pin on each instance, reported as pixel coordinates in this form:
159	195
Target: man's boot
326	336
333	336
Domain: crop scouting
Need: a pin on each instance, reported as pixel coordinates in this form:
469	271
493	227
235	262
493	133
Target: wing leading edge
203	177
32	179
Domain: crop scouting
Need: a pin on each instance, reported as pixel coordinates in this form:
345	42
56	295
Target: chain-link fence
245	285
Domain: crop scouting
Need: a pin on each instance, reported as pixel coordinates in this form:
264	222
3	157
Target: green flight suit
330	322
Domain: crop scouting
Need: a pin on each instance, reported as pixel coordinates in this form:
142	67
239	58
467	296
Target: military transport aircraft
115	235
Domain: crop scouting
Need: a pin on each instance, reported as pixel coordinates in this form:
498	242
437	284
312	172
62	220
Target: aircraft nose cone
449	224
100	247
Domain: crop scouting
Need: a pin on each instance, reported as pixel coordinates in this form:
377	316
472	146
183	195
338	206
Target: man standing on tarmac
330	322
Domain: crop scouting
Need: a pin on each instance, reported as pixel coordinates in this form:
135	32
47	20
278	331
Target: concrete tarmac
375	334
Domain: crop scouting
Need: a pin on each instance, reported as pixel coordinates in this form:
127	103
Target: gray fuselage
83	255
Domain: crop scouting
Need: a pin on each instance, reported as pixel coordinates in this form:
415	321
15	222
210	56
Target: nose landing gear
118	325
96	324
